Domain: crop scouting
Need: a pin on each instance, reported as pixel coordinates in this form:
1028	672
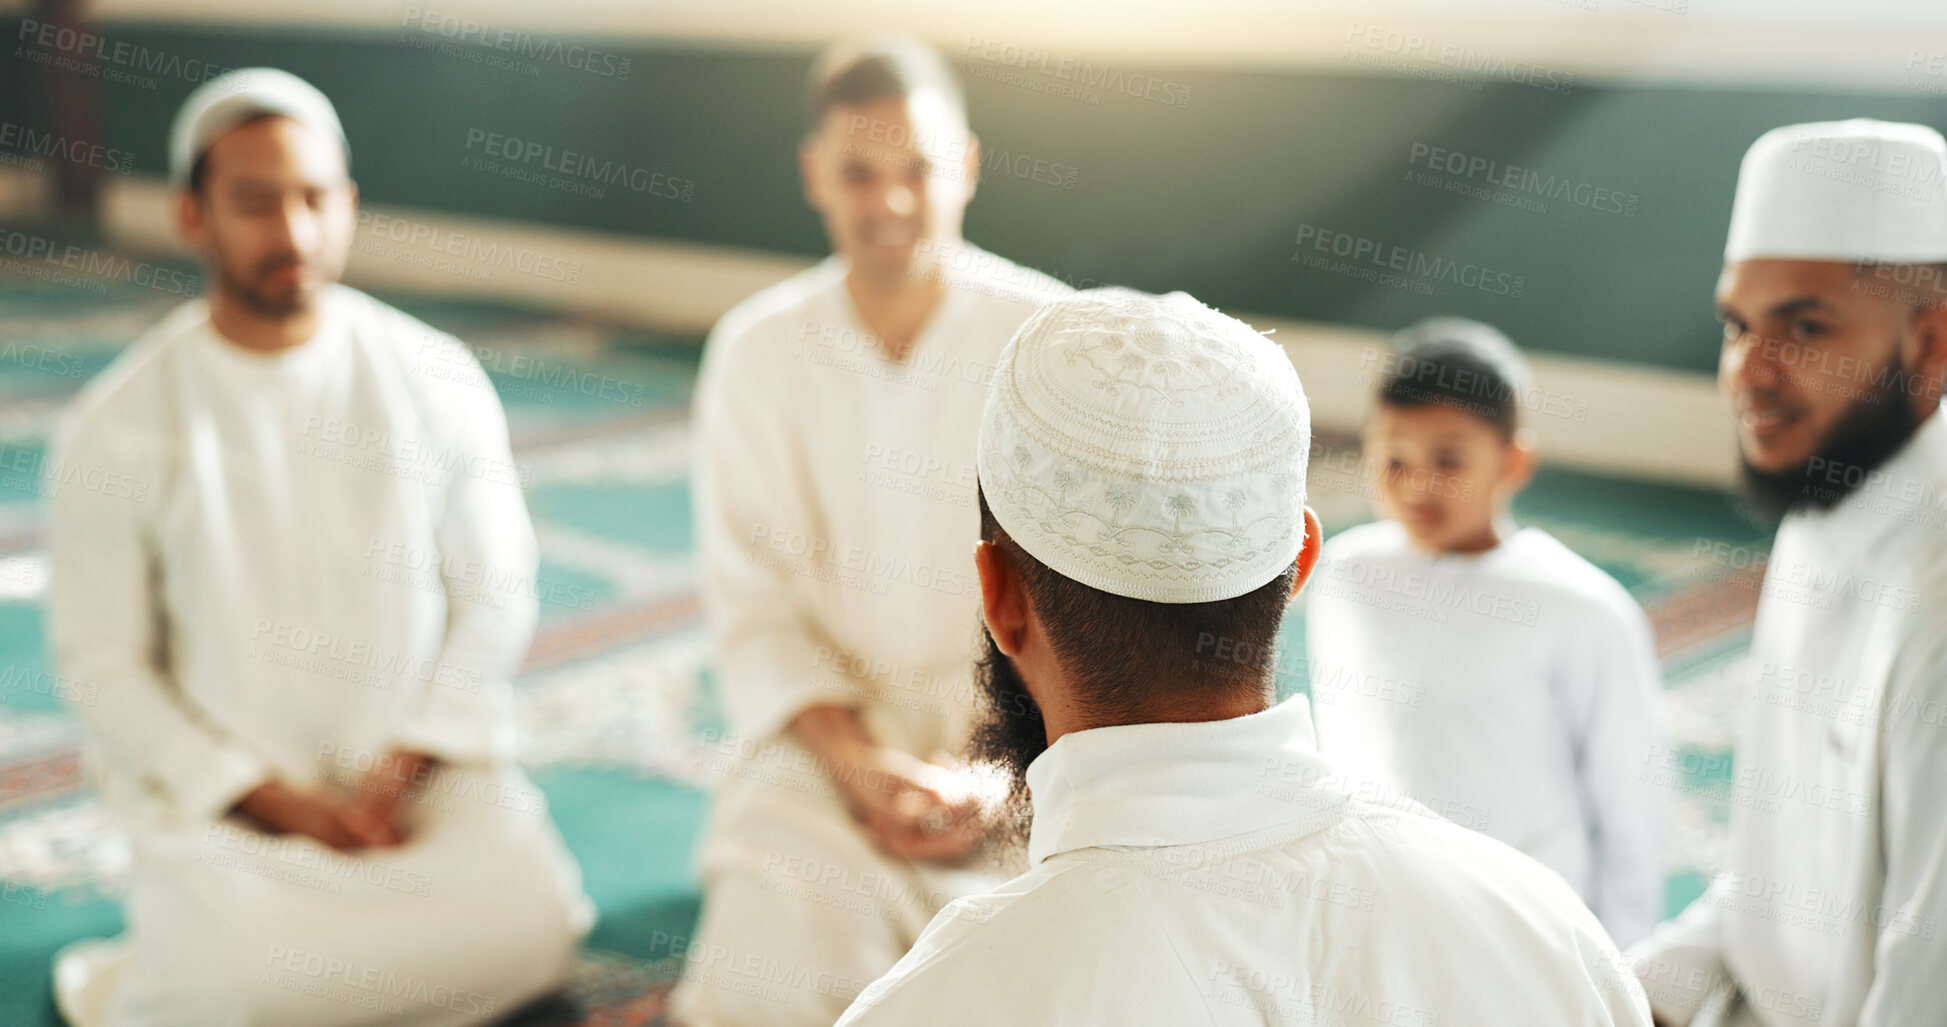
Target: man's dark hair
1462	363
874	68
1132	660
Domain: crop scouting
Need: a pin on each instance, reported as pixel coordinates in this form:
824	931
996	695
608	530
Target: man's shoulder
440	372
1565	580
1498	915
124	398
1021	938
1001	285
781	307
1448	868
395	330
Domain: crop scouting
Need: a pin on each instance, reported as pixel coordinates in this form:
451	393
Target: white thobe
835	520
1831	905
1513	691
1221	873
289	565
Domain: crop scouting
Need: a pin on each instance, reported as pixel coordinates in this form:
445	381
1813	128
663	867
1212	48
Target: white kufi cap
1147	446
228	100
1858	191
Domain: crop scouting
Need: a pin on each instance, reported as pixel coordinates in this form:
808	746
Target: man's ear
808	170
1930	358
971	168
1308	553
189	218
1003	600
1522	461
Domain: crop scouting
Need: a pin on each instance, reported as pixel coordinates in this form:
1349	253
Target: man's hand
383	793
915	810
284	809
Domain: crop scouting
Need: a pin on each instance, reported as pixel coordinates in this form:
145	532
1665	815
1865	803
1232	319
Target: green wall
1208	197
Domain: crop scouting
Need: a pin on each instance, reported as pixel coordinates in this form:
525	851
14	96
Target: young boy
1476	666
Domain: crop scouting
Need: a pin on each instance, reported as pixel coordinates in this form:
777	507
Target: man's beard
1009	733
1870	431
259	300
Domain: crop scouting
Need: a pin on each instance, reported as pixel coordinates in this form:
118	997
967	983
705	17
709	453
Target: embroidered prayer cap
1147	446
1860	190
232	98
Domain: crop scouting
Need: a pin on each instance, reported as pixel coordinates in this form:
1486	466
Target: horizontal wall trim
1599	415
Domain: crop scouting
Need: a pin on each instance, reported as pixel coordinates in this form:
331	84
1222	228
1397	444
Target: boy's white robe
1513	691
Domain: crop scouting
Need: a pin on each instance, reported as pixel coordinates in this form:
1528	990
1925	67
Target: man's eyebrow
273	184
1795	305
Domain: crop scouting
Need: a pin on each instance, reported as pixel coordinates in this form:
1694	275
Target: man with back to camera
1194	859
310	751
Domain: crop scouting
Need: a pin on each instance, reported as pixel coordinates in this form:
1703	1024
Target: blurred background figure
1479	665
311	762
837	414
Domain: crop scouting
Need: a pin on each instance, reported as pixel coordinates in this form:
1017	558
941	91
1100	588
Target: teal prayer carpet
616	693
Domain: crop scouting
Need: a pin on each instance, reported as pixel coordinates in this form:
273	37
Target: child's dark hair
1462	363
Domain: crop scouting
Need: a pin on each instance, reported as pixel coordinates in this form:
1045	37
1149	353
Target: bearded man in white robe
292	564
836	418
1193	858
1830	903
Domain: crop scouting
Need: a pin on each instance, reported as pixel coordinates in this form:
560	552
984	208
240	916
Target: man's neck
896	311
1063	718
240	326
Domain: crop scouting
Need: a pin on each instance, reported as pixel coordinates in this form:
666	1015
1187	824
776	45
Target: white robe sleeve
467	716
1610	695
750	487
1910	957
107	628
1681	964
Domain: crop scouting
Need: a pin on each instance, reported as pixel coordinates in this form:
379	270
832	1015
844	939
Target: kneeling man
293	565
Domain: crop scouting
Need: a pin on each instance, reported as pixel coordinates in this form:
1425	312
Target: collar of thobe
297	361
1151	785
1908	488
951	311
